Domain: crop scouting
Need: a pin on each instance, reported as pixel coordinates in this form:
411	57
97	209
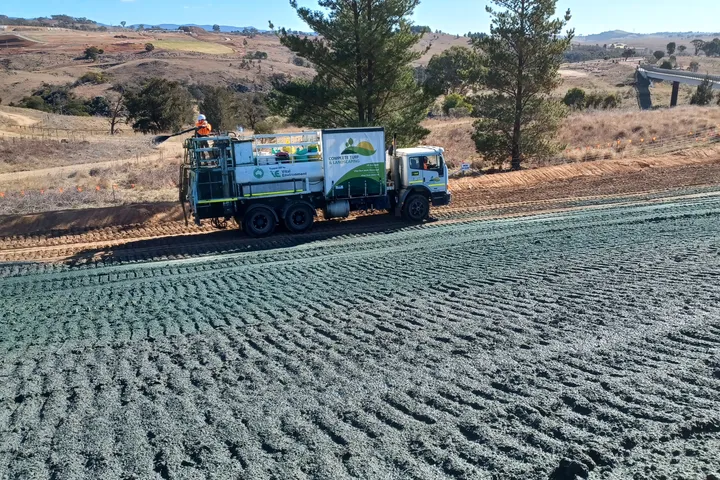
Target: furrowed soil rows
579	343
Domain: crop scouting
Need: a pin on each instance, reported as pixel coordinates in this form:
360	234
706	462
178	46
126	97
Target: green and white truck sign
354	162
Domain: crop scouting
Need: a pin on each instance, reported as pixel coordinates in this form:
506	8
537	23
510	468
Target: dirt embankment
92	218
561	182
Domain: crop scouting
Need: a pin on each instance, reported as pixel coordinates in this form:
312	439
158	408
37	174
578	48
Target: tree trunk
359	92
516	153
370	73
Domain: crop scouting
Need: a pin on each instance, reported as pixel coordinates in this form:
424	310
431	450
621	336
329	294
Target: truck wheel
299	217
416	208
258	222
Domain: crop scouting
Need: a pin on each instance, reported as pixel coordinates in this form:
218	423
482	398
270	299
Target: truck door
427	170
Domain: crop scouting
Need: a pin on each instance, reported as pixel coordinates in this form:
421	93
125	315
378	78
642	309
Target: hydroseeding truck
263	180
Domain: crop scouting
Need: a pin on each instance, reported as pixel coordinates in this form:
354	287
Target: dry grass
681	127
192	46
652	42
454	136
13	117
602	127
92	186
41	174
24	154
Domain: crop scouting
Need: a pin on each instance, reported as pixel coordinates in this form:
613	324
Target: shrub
301	62
92	53
149	47
594	100
98	106
667	65
59	99
96	78
585	53
694	66
35	102
270	125
256	55
575	98
704	94
455	101
612	100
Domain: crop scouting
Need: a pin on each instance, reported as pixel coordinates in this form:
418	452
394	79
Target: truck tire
259	222
416	208
299	217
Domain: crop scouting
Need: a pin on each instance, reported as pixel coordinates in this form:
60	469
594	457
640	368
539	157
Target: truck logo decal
363	148
258	173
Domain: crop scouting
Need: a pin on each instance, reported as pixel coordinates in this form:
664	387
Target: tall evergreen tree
362	55
522	56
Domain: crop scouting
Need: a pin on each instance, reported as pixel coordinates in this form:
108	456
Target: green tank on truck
263	180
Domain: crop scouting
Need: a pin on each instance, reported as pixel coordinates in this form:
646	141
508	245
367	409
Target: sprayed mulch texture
584	343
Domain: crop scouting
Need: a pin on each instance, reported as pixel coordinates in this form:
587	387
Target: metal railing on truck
307	149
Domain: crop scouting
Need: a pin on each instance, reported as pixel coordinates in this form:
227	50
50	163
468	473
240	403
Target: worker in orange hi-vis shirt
202	127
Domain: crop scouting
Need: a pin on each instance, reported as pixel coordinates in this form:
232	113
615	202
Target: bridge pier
675	91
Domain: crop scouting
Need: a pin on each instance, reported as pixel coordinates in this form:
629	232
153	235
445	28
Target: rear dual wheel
299	217
259	222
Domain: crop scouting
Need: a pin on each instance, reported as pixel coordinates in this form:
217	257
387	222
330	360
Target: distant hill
606	36
173	26
611	35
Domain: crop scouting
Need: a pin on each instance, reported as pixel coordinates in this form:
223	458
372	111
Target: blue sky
452	16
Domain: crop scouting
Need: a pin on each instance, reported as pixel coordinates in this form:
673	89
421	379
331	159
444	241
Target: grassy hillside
55	56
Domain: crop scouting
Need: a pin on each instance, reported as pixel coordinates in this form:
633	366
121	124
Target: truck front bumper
441	198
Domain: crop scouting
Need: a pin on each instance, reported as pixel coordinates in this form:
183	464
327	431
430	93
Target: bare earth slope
548	346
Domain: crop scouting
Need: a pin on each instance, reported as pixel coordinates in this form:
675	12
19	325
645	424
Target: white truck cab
420	170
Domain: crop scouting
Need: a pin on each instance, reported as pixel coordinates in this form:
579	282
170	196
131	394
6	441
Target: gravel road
583	343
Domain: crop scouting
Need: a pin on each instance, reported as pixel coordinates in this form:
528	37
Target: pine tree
160	105
522	56
363	55
704	93
218	105
455	70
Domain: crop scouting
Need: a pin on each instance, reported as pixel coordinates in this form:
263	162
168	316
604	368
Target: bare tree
118	111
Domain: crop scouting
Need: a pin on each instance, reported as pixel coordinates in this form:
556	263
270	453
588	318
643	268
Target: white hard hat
201	117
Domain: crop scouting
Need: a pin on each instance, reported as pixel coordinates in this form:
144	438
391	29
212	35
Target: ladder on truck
207	175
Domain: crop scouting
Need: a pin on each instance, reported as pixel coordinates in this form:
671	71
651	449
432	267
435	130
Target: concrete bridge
646	74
